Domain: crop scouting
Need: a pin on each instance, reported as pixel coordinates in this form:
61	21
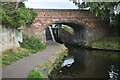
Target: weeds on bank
107	43
32	43
36	74
11	56
29	46
53	63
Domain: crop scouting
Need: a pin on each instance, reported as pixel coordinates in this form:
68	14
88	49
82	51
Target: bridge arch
79	30
90	25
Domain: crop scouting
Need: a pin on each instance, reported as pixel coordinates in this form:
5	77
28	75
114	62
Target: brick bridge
86	25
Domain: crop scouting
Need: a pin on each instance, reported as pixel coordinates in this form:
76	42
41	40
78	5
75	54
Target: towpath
22	68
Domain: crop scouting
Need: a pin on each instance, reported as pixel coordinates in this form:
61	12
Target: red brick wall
47	17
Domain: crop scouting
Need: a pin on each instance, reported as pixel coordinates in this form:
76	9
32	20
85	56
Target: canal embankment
43	70
109	43
23	67
83	63
107	50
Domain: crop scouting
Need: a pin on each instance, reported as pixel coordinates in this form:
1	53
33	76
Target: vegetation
68	28
55	60
32	43
103	9
15	16
115	25
12	55
30	46
36	74
106	10
107	43
52	63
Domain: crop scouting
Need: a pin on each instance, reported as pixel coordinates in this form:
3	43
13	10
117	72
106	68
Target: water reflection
68	62
89	64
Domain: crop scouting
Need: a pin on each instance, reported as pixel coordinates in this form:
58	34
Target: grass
68	28
107	43
12	55
36	74
32	43
29	46
55	59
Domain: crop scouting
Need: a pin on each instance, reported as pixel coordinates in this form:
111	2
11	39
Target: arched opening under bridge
67	32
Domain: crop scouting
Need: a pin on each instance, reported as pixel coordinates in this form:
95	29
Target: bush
15	18
32	43
36	74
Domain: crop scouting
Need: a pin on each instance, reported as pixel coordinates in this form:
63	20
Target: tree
102	9
16	15
105	10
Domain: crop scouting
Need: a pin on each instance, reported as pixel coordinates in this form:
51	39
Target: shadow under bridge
69	33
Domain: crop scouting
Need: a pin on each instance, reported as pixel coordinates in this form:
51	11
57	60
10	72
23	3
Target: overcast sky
50	4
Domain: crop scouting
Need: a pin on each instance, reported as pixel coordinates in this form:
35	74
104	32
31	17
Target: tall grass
29	46
36	75
32	43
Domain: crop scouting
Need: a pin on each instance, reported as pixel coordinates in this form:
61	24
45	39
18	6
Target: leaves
32	43
103	9
14	18
106	10
36	74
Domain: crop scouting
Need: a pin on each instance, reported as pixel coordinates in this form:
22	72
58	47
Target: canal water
87	64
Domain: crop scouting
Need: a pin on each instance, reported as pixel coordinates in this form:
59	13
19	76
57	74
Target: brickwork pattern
95	25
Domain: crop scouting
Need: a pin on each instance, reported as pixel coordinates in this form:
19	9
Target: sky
50	4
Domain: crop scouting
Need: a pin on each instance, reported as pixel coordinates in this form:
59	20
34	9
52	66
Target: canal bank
82	63
22	68
44	70
111	43
74	62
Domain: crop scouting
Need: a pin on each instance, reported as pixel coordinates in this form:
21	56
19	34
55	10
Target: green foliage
36	74
115	25
104	10
23	16
11	56
49	66
14	18
101	9
108	43
68	28
32	43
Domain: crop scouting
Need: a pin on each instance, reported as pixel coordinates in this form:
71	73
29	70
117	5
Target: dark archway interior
79	35
48	35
